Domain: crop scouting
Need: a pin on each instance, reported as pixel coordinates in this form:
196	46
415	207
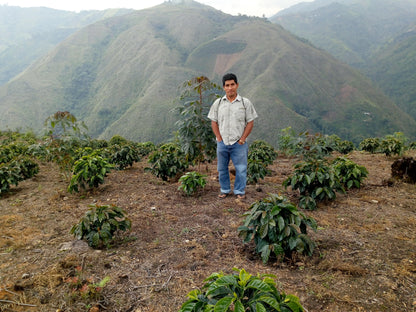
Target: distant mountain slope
375	36
121	76
394	69
28	33
351	30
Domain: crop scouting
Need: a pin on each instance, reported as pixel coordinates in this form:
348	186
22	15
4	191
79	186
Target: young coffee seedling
99	225
240	292
278	228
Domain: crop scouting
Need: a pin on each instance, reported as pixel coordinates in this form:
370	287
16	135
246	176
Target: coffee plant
344	147
240	292
145	148
316	181
168	161
99	225
306	145
350	174
192	182
9	175
391	145
370	145
64	124
89	171
277	228
260	155
194	127
118	140
124	155
16	169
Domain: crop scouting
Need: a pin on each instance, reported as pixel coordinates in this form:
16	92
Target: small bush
278	228
349	173
345	147
240	292
18	169
370	145
123	156
260	155
192	182
167	162
145	148
9	175
99	225
316	181
118	140
391	146
89	171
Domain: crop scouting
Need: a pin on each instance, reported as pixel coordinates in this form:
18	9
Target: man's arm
247	131
216	130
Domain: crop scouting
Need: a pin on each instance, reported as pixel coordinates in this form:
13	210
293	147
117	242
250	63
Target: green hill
375	36
121	76
394	69
29	33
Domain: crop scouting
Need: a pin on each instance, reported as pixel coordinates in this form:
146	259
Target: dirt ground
365	258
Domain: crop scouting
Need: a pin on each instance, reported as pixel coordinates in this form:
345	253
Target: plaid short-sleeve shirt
232	117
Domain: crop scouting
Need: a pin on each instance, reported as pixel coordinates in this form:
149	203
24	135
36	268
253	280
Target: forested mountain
375	36
28	33
122	76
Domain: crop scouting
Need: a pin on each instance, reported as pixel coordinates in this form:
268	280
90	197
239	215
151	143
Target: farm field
365	259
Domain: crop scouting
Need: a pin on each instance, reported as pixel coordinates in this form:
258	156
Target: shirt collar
238	98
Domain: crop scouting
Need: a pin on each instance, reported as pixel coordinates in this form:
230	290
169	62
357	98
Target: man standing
232	118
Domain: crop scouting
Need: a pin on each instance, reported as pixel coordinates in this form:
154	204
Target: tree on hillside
63	124
194	127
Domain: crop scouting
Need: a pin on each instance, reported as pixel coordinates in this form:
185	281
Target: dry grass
365	259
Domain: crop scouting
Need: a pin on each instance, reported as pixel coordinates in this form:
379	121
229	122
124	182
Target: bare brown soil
365	259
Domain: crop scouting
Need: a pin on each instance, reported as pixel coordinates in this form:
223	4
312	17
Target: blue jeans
238	154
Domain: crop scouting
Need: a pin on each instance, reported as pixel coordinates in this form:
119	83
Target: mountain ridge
121	76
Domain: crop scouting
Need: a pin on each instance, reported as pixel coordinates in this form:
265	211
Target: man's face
230	88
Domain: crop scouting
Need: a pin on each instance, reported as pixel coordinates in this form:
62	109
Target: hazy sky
234	7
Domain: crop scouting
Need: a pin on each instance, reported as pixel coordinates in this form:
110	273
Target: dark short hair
229	76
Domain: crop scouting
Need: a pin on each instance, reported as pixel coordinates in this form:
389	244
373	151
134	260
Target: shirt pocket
240	114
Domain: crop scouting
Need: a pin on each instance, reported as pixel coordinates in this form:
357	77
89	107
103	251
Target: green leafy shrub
240	292
287	141
145	148
90	171
307	145
262	150
118	140
278	228
391	146
6	154
256	170
260	155
18	169
192	182
9	174
345	147
350	174
194	127
168	161
370	145
99	225
316	181
28	168
123	156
